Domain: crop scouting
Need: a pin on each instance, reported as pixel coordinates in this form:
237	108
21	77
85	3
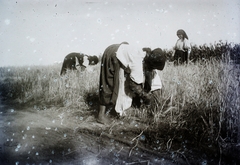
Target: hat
182	32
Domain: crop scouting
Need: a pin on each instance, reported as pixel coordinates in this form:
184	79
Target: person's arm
174	49
125	68
173	52
187	46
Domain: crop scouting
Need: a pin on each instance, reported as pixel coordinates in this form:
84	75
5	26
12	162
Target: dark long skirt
109	76
180	57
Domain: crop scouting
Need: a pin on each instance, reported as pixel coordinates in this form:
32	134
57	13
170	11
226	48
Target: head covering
148	50
124	42
182	32
156	60
93	60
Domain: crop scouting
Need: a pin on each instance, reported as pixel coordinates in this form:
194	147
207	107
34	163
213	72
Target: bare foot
104	120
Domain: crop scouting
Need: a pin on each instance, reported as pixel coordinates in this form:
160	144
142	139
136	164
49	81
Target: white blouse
182	45
132	57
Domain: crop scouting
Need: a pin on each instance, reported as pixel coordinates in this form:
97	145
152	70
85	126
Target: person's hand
127	70
154	73
147	98
173	53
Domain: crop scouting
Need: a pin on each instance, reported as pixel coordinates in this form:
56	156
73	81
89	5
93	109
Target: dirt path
57	136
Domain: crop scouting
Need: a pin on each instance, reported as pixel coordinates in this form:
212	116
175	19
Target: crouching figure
72	60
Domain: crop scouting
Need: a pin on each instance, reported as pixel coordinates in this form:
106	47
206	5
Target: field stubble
197	111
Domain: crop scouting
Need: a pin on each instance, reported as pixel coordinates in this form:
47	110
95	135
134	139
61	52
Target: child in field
182	49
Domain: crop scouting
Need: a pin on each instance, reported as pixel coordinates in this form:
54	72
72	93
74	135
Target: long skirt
109	76
180	57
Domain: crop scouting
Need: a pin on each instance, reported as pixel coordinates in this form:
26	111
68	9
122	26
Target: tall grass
199	101
38	84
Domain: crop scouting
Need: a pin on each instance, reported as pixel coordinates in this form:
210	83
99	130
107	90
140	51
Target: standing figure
182	49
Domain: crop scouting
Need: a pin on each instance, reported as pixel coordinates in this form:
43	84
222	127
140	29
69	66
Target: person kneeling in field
121	79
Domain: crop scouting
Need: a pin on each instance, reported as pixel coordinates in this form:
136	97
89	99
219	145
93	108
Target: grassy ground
197	111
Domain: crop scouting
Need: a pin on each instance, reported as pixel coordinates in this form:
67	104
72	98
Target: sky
43	32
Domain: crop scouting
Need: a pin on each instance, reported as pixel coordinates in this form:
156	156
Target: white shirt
85	61
132	57
181	45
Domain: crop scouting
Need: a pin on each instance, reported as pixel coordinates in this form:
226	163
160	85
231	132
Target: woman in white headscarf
182	49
